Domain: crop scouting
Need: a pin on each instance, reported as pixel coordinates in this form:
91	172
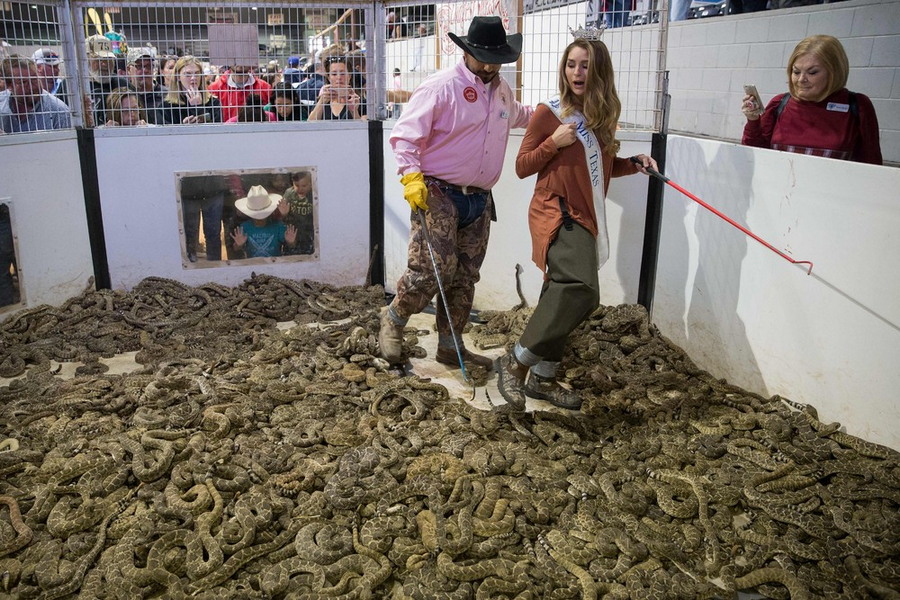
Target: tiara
591	33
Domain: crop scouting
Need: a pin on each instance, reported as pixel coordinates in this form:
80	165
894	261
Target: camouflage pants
459	252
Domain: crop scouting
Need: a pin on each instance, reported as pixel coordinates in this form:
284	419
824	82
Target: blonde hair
175	91
114	103
830	52
600	103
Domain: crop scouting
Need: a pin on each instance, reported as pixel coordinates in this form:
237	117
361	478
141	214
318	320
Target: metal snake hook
437	276
731	221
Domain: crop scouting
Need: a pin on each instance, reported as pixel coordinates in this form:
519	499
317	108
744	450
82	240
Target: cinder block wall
709	61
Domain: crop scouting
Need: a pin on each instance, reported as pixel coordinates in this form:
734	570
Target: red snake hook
668	181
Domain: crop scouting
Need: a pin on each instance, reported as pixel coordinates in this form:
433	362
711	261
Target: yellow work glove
415	191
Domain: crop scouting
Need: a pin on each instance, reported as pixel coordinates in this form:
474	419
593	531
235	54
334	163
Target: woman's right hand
749	108
194	97
564	135
326	94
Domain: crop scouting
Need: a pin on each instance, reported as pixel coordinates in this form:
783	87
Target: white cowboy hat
259	203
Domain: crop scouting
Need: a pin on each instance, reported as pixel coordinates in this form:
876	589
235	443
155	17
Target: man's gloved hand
415	191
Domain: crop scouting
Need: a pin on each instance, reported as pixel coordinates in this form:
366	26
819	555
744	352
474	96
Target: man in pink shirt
450	144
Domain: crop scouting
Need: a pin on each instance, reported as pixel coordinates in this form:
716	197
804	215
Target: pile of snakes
246	458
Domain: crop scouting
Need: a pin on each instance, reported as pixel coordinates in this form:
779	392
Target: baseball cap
293	61
99	46
135	54
45	56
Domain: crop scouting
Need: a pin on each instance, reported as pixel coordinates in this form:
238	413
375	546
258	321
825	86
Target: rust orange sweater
561	173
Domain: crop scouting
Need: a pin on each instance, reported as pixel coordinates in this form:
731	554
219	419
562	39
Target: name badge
837	107
504	114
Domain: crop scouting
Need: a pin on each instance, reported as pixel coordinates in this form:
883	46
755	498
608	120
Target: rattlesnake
258	447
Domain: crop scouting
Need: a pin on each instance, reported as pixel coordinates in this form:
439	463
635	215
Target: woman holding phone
188	102
337	98
818	115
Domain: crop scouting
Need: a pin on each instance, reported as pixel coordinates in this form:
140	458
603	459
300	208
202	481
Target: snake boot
549	389
510	381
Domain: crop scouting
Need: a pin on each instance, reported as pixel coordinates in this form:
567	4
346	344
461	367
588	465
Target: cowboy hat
259	203
488	43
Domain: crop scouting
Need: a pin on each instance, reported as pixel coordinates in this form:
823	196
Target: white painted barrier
829	339
41	180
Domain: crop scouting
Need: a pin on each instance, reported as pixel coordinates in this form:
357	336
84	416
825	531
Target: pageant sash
594	159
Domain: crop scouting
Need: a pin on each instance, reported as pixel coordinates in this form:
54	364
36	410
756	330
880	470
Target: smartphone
750	90
204	117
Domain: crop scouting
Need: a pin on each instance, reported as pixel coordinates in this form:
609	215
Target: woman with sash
571	144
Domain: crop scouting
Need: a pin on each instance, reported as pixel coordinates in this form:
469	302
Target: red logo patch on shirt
470	94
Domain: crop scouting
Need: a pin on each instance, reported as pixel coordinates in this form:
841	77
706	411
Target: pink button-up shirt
456	128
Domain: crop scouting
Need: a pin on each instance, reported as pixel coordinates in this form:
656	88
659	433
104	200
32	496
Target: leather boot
549	389
447	356
510	381
390	338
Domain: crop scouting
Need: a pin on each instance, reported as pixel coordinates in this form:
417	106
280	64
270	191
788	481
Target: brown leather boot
549	389
510	380
448	356
390	338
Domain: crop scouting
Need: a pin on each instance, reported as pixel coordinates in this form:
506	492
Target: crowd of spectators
150	88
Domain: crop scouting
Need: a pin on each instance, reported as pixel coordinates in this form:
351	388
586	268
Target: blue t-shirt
265	240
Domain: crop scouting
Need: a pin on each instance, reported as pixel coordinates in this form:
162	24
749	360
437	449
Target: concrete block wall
709	61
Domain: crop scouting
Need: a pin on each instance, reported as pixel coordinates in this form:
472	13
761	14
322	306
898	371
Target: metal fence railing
102	64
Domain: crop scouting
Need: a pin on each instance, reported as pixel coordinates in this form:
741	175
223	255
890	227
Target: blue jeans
211	209
468	206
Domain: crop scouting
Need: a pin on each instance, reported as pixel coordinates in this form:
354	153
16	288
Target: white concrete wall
510	242
141	222
40	177
709	61
829	339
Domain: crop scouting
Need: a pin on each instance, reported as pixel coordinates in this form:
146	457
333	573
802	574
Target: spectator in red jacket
233	87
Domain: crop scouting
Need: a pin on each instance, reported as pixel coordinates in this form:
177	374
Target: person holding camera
337	98
188	101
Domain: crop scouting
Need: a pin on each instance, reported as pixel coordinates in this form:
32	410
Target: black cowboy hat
488	43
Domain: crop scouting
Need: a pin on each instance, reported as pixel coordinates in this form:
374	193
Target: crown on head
589	33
